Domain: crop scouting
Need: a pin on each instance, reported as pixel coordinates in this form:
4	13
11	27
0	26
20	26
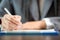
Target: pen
7	11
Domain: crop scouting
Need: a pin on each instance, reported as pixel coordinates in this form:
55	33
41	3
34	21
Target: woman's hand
11	22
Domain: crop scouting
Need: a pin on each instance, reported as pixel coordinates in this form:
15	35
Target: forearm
34	25
41	24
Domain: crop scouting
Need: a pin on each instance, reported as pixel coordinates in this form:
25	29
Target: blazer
29	10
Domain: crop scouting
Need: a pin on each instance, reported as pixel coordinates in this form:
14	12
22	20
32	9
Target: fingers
15	27
14	19
11	25
4	24
11	22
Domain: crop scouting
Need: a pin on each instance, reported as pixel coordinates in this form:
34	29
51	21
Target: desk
30	32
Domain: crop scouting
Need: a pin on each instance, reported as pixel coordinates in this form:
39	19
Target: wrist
42	24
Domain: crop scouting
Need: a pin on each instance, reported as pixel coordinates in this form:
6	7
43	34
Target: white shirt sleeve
49	24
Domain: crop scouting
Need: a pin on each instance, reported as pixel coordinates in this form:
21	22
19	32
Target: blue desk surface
29	33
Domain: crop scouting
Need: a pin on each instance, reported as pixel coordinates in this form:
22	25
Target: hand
36	25
11	22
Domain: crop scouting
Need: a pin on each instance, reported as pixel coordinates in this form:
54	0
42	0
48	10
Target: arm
34	25
47	23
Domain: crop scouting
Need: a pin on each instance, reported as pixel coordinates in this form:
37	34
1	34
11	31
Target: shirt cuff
48	22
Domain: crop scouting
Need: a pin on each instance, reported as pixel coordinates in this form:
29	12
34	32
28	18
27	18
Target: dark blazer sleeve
4	4
56	22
